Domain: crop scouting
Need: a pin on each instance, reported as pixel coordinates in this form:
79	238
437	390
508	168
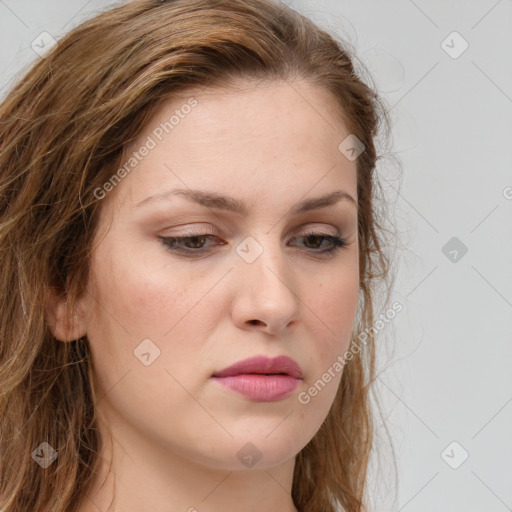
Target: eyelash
170	242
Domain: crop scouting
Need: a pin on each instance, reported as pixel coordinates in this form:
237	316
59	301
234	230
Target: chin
253	451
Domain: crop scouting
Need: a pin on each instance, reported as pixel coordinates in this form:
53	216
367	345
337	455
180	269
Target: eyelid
196	231
338	240
312	228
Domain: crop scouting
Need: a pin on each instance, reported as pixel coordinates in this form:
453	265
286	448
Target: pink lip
260	378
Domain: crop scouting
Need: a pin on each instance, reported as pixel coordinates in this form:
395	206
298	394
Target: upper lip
263	365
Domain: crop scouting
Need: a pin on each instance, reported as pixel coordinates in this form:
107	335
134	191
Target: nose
266	296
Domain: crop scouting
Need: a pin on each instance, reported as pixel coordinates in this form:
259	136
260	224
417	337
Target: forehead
275	136
248	107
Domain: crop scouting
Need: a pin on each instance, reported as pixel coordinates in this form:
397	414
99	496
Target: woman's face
256	278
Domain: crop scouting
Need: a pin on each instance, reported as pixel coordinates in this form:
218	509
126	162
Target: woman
190	251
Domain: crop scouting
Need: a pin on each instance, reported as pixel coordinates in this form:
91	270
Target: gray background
447	355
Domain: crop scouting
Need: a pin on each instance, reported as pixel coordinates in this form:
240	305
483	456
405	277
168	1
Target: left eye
194	243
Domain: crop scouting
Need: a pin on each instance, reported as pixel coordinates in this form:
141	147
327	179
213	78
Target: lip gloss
260	387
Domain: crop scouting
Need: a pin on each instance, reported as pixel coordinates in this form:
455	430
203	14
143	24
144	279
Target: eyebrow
218	201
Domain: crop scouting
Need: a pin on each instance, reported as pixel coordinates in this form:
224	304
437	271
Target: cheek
140	299
326	356
334	302
136	301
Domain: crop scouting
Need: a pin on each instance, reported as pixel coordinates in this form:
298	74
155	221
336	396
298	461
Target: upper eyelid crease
220	202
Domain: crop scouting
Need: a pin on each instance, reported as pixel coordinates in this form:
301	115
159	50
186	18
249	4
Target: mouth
260	378
262	365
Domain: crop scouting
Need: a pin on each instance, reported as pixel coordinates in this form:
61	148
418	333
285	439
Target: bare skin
177	432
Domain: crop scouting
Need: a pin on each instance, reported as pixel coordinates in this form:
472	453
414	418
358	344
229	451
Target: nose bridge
264	259
266	283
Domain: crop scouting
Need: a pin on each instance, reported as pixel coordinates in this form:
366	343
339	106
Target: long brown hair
63	130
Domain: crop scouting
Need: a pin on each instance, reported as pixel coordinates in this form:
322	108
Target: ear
65	325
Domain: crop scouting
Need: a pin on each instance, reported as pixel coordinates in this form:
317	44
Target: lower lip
261	388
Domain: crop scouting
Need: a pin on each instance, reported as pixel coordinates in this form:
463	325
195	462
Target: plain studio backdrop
445	72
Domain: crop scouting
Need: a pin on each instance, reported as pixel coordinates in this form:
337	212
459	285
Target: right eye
191	243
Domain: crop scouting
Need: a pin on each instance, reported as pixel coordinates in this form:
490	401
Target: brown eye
315	241
191	244
188	243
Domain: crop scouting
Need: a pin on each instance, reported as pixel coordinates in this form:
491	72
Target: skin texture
176	431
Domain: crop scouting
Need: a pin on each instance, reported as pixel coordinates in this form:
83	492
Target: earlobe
65	325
